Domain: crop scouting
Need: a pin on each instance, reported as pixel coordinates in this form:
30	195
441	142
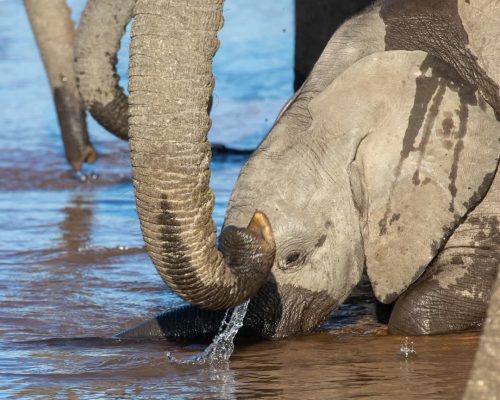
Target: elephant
102	26
54	32
385	159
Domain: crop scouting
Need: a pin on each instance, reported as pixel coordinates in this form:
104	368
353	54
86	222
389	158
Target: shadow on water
77	223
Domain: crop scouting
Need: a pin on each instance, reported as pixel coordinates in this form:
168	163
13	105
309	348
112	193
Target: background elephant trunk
170	84
54	33
101	28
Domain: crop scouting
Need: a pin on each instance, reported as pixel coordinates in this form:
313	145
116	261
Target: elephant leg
453	293
454	298
54	33
483	381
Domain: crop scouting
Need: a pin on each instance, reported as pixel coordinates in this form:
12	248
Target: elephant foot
449	298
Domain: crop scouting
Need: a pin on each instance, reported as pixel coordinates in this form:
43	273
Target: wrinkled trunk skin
484	382
101	28
54	33
315	23
170	84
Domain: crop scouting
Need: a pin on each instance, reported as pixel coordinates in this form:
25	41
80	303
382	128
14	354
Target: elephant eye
292	259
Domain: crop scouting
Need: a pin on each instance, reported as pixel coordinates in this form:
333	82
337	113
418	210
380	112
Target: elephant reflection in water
76	228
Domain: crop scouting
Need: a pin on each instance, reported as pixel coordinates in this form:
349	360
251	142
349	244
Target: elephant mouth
279	311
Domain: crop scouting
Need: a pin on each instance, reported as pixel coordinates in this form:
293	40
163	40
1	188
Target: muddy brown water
73	270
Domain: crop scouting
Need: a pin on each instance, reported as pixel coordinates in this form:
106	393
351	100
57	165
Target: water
74	272
407	348
220	350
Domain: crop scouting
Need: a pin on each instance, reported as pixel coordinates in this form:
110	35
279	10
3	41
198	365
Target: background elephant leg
484	382
453	293
315	23
54	33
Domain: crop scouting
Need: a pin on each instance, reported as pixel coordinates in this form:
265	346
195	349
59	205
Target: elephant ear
429	156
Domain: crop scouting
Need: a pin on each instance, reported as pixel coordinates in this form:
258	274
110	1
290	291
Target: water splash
83	177
407	349
222	347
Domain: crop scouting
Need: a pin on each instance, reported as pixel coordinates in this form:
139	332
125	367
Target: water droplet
83	177
407	349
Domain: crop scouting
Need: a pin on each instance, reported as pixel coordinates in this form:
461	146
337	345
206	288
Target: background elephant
315	23
97	41
484	382
400	170
54	33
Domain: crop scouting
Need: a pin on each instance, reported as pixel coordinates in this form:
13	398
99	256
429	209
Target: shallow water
73	270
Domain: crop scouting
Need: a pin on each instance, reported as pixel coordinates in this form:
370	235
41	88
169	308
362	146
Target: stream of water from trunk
220	350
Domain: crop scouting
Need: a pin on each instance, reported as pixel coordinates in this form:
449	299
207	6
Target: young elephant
380	159
388	190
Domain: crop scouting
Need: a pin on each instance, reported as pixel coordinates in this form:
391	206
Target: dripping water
222	346
407	348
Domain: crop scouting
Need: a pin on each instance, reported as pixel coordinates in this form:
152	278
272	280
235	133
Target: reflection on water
76	226
73	269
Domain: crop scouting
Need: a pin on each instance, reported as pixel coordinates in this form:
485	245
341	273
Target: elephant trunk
54	33
189	323
101	28
170	84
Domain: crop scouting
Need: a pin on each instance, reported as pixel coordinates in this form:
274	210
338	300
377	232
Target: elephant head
381	180
374	164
